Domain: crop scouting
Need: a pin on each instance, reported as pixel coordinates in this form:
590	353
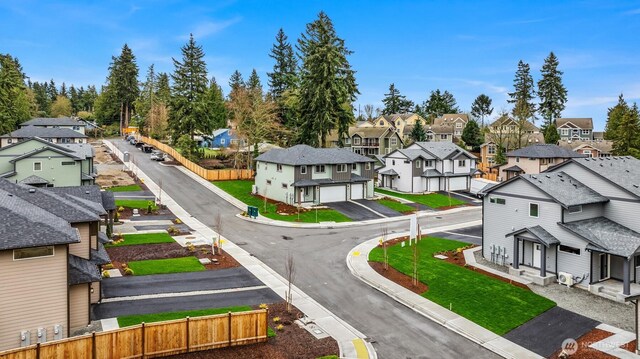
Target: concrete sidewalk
351	342
357	261
264	220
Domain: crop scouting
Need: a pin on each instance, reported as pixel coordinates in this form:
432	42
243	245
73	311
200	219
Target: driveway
354	211
374	205
470	234
545	333
464	197
179	282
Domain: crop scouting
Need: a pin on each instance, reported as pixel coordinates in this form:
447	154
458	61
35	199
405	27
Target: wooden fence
156	339
209	175
488	173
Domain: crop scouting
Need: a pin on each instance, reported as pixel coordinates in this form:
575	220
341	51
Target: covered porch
304	192
387	177
535	249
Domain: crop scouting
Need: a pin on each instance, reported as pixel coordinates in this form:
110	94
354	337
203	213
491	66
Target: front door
604	266
536	255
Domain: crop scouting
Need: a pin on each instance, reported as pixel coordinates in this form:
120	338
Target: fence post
229	328
266	325
188	333
38	351
142	340
93	345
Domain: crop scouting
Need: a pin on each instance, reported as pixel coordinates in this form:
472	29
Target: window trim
497	200
367	166
444	136
303	170
418	163
341	166
393	141
464	163
561	246
278	167
68	163
537	209
319	167
356	140
34	166
53	253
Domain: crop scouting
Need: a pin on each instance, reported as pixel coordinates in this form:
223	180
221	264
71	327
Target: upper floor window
68	163
564	131
381	123
393	162
37	166
491	149
367	166
428	163
585	132
444	136
418	163
534	210
10	140
341	168
303	169
587	152
320	169
34	252
76	128
458	125
356	140
462	163
279	167
393	141
497	200
347	141
354	167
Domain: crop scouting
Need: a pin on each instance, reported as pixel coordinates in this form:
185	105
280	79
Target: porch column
543	261
626	283
516	260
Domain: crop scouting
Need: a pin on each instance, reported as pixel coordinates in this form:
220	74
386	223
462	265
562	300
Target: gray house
576	224
303	174
57	122
575	128
51	134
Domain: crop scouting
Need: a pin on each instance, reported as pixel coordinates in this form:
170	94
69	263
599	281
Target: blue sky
464	47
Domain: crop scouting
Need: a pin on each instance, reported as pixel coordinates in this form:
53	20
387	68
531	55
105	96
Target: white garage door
333	194
357	191
457	183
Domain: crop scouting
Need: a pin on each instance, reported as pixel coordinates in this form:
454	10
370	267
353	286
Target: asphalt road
353	211
178	282
321	269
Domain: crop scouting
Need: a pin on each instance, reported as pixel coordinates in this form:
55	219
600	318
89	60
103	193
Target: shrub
108	266
120	209
276	319
263	306
124	265
177	221
105	274
190	247
173	230
128	271
280	327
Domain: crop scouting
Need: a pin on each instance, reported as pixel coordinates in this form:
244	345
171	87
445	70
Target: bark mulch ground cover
584	352
125	254
399	278
292	342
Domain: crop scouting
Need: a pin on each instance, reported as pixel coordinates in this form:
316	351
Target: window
37	166
279	167
393	141
354	167
341	168
462	163
10	140
381	123
585	132
587	152
458	133
356	140
491	149
393	162
564	131
458	125
347	141
268	181
284	185
68	163
428	163
367	166
567	249
222	141
574	209
534	210
306	191
517	159
76	128
303	169
418	163
320	169
26	253
497	200
443	136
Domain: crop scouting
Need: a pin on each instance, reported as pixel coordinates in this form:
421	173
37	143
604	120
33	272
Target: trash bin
125	157
252	211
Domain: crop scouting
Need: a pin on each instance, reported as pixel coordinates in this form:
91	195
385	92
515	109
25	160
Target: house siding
299	176
588	211
78	306
81	249
268	171
33	293
340	176
95	295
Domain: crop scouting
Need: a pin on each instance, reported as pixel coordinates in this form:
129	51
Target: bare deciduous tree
290	273
217	225
385	233
416	255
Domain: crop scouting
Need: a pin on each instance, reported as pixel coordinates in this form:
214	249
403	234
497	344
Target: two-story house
51	134
534	159
428	167
453	121
588	148
50	252
575	128
305	175
38	162
575	223
57	122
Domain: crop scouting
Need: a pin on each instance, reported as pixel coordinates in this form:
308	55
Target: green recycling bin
252	211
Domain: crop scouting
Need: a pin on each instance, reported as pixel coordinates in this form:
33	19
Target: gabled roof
307	155
541	150
514	168
43	132
368	132
34	180
539	233
606	236
412	154
449	118
582	123
91	193
53	121
43	149
82	150
564	189
443	150
219	132
38	139
507	121
603	146
431	173
390	172
82	271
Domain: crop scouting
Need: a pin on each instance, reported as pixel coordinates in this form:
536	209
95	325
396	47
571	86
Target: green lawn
134	203
164	266
129	188
433	200
241	189
396	206
129	320
144	238
489	302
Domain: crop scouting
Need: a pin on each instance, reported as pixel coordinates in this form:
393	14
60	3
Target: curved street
321	271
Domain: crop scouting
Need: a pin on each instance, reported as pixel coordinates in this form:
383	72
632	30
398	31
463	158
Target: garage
357	191
333	194
457	183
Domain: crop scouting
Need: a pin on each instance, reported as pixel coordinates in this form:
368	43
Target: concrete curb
357	261
342	332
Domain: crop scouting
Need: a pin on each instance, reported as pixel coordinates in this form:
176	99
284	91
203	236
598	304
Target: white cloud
209	28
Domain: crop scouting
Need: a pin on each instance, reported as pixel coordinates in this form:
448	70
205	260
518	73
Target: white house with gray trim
428	167
305	175
577	222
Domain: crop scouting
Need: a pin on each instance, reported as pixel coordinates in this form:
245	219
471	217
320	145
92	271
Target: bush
124	265
263	306
128	271
105	274
276	319
280	327
108	266
173	230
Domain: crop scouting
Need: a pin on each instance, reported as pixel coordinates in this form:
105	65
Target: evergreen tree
284	75
148	92
438	104
107	106
89	98
123	78
552	93
214	102
52	91
253	83
189	88
236	81
395	103
481	107
614	118
551	134
63	90
75	100
42	98
418	133
627	141
15	106
472	136
523	94
499	158
328	87
163	93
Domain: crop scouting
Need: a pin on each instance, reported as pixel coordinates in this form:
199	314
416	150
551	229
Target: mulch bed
292	342
584	351
282	208
125	254
451	207
399	278
115	158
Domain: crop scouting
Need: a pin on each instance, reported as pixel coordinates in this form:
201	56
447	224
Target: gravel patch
486	263
94	326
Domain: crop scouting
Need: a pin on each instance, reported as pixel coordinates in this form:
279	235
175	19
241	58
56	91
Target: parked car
133	141
157	156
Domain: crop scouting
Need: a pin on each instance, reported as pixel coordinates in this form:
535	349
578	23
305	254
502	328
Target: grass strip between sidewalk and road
433	200
143	238
241	190
395	205
129	320
135	203
129	188
165	266
489	302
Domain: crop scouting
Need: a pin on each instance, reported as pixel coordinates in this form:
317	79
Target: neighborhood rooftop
55	121
540	150
622	171
584	123
565	189
45	132
606	235
307	155
444	150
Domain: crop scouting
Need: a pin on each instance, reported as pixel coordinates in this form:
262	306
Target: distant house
575	128
534	159
589	148
428	167
508	134
57	122
368	140
50	252
455	121
51	134
41	163
303	174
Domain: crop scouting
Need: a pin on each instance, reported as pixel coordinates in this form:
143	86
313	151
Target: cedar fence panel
156	339
209	175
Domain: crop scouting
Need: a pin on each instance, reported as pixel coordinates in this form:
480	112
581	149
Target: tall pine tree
284	75
481	107
552	93
394	102
123	80
14	102
253	83
328	87
523	94
438	104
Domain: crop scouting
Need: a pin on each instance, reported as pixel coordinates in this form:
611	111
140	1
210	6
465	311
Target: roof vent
561	180
635	185
547	176
32	190
86	192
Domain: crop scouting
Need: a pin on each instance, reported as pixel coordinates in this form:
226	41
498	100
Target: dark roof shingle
307	155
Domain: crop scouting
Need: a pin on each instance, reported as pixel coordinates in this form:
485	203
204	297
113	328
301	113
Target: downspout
557	262
68	300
